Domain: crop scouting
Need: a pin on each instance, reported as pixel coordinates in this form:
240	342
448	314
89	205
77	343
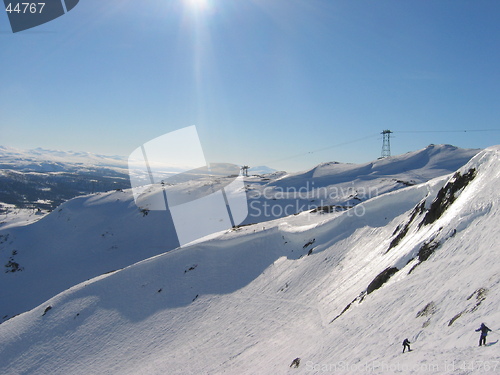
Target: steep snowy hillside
94	234
337	291
83	238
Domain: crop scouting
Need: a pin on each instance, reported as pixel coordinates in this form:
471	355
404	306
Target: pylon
386	145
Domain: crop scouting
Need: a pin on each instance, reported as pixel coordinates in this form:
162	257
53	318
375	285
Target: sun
199	5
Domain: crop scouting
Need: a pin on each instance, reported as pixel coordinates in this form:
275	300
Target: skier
295	363
406	344
484	332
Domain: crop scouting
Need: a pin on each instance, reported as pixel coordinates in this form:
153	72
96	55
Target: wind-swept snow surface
339	290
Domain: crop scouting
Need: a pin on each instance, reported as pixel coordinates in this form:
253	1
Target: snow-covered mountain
98	233
339	289
338	186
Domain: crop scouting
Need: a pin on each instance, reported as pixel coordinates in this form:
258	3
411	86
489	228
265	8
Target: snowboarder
406	344
484	332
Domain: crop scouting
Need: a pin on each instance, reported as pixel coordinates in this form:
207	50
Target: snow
252	299
11	216
346	185
98	233
81	239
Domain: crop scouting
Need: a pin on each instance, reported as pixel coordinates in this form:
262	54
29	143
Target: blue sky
286	83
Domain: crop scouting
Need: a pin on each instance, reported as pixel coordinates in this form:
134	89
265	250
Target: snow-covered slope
336	186
81	239
94	234
309	286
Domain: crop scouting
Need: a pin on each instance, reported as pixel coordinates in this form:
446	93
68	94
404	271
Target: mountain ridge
97	233
253	299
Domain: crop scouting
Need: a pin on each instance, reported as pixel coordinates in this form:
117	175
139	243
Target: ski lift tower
386	145
244	170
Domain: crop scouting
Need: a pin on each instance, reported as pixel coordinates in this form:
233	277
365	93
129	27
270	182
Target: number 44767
25	8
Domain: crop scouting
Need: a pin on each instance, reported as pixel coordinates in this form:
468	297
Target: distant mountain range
261	170
43	179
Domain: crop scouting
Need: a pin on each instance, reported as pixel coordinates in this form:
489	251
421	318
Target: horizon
124	159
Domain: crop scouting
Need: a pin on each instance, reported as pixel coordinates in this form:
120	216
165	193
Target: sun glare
198	5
